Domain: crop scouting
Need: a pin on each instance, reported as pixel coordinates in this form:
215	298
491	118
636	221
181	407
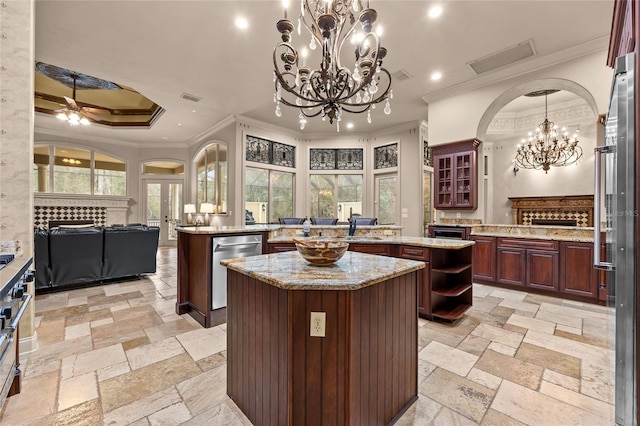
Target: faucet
352	226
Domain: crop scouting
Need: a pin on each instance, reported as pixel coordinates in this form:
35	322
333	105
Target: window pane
162	168
154	199
349	196
110	175
41	169
282	195
322	195
223	162
257	193
387	200
72	171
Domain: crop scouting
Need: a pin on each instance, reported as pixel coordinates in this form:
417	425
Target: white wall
458	117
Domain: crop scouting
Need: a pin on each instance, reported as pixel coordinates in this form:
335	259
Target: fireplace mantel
562	208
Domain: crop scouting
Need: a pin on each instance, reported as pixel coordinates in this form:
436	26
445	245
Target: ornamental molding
69	200
530	122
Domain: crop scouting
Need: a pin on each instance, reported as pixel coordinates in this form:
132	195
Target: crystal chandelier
548	146
332	88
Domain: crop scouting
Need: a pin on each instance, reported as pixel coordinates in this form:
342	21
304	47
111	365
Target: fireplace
563	210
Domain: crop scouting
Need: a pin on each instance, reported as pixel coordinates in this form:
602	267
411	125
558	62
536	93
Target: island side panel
383	361
194	276
258	349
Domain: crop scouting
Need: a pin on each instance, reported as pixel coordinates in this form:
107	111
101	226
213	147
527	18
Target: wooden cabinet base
364	371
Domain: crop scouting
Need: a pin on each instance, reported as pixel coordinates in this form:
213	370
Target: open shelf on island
453	269
452	290
450	311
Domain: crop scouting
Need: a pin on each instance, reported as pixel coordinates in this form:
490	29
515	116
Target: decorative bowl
321	253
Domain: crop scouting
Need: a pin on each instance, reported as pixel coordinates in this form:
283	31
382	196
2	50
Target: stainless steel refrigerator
615	176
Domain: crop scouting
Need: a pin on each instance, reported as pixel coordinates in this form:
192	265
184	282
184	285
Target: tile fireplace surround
104	211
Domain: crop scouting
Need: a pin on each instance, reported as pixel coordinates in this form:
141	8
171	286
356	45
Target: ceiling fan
75	114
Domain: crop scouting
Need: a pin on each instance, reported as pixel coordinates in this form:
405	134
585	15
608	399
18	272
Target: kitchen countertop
443	243
288	270
227	229
540	232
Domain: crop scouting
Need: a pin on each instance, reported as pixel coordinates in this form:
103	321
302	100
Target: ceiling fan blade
71	102
96	110
91	116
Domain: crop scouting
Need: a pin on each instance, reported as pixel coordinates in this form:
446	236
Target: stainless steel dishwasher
229	248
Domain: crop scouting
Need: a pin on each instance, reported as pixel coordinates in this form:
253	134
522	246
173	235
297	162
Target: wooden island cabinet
361	369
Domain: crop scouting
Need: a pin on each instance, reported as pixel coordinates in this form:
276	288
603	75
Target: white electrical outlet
318	321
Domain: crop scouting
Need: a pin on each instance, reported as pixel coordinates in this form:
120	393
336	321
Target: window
110	175
268	194
212	177
77	171
335	195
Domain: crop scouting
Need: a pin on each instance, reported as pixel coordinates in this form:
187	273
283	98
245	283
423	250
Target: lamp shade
206	208
189	208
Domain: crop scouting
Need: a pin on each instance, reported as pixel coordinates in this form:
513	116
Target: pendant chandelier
332	88
548	146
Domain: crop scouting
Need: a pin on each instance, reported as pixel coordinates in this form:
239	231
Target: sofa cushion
75	255
130	250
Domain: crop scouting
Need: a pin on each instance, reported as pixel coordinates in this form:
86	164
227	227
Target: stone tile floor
119	355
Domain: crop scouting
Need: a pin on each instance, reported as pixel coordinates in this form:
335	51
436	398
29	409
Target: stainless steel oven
14	300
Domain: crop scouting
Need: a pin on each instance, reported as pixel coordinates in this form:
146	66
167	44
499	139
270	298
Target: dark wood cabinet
456	175
484	258
511	266
575	276
424	278
280	247
379	249
528	263
542	269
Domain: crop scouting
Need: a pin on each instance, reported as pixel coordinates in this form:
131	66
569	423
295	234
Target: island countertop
288	270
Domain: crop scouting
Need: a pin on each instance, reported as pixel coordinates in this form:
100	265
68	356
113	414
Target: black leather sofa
66	257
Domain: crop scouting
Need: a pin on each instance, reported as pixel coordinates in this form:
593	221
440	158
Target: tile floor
119	355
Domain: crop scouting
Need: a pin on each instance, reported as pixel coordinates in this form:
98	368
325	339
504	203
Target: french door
386	192
163	207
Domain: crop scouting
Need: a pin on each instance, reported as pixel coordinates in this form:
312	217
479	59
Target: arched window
212	170
65	170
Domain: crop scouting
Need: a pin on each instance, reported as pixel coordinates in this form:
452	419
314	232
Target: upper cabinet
456	175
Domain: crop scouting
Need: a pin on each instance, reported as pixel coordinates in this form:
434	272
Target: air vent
189	97
401	75
503	57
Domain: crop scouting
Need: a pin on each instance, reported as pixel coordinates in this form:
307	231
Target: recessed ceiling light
193	110
436	76
164	137
179	124
435	11
242	23
349	125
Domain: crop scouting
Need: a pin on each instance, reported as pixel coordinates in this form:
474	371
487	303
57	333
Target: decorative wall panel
269	152
386	156
336	159
570	210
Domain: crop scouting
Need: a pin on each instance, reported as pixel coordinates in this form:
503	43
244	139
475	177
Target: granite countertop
443	243
353	271
540	232
227	229
11	273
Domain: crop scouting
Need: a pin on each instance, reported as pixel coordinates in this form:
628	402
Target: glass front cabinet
456	175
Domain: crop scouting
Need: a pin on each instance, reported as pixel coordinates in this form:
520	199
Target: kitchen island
364	368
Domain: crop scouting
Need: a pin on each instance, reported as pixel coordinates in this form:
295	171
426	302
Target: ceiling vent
503	57
189	97
401	75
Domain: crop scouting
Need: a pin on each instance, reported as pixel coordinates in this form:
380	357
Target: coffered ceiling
165	49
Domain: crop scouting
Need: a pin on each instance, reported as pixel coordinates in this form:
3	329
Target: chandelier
332	88
548	146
